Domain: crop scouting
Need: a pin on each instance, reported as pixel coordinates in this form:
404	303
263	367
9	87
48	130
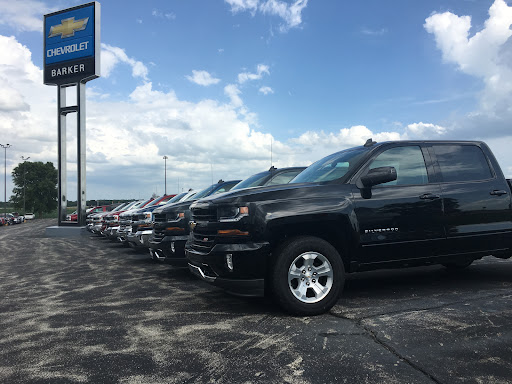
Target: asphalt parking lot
88	310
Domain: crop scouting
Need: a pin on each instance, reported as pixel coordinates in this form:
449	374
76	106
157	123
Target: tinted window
284	178
462	162
408	162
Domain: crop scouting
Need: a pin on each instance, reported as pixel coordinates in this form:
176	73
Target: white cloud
260	71
23	15
163	15
486	55
344	138
374	32
233	92
266	90
202	78
111	56
243	5
424	131
291	14
126	139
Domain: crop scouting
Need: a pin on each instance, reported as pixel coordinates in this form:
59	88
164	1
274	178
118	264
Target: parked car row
295	233
14	218
97	209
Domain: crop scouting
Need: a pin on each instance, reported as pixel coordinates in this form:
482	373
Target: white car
29	216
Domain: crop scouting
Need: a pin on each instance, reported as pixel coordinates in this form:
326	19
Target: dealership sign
72	45
71	59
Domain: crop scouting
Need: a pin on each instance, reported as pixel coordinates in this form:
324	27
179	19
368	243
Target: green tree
37	182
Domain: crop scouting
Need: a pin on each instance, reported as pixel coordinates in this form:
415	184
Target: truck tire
308	276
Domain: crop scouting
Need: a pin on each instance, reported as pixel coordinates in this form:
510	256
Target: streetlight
24	173
5	176
165	177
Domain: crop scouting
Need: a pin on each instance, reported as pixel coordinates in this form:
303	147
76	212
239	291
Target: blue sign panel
72	45
69	35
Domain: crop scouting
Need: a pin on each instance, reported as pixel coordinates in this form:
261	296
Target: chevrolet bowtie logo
68	27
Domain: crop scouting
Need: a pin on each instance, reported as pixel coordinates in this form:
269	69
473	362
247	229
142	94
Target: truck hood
280	192
184	205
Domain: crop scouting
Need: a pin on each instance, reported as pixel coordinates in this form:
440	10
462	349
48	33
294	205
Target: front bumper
123	233
252	287
171	248
247	278
139	238
111	232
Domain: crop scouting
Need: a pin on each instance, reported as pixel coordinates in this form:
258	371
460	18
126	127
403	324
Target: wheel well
334	232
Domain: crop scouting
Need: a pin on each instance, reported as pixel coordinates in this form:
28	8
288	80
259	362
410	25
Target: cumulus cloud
112	56
486	55
127	138
424	131
27	106
290	13
260	71
202	78
23	15
344	138
266	90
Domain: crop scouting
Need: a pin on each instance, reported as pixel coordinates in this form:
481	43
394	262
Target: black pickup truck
171	229
381	205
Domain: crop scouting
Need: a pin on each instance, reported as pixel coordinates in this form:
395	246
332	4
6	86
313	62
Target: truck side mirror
379	175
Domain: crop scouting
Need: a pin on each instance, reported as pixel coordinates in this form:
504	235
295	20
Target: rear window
462	163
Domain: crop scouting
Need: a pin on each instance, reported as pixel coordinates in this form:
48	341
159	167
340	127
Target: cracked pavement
89	310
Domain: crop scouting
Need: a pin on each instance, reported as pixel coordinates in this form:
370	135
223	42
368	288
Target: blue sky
211	83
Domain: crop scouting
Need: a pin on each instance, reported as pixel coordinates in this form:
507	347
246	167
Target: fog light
173	250
229	261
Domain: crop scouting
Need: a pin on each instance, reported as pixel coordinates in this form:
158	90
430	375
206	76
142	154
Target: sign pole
61	118
81	200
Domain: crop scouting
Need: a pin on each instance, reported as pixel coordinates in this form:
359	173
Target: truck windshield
331	167
205	192
253	181
153	202
176	198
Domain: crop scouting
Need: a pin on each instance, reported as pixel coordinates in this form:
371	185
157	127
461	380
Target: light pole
5	176
24	173
165	175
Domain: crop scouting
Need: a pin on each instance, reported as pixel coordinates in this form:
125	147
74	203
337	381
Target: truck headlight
231	213
175	216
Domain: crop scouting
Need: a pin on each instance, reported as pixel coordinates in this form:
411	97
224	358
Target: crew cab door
402	219
476	197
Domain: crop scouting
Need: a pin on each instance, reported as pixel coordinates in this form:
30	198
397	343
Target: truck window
462	163
284	178
408	162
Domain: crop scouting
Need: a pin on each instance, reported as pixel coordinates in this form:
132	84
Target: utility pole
24	185
5	176
165	175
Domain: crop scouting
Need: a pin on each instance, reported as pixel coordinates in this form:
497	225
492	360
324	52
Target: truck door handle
497	192
429	196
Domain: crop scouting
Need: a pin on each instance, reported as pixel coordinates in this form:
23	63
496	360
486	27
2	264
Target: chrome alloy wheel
310	277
